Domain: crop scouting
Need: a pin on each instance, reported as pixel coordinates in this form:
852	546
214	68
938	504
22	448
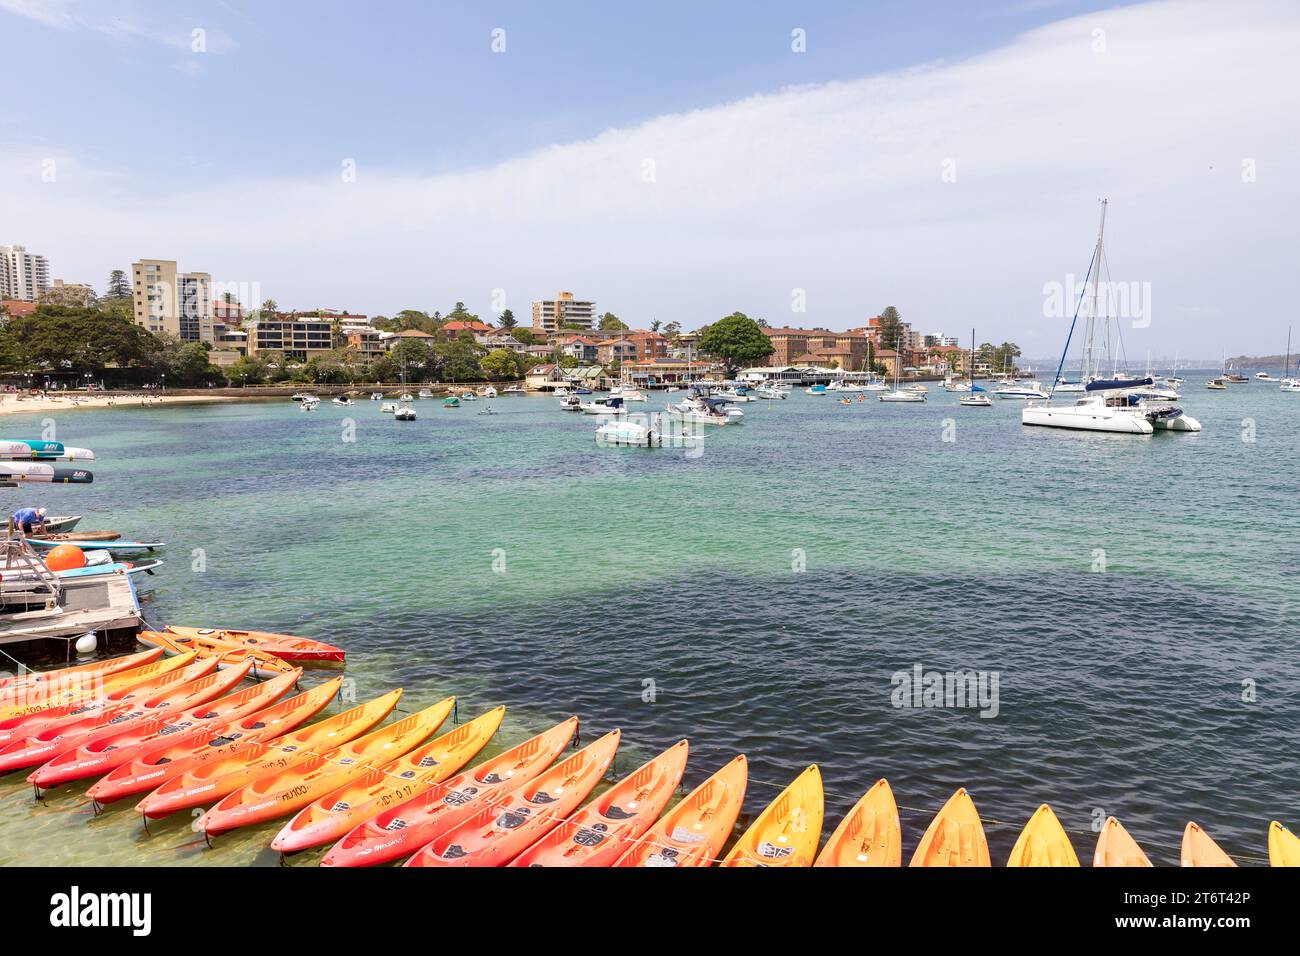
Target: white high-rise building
23	275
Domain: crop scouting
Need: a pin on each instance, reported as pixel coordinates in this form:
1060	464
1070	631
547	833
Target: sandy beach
16	404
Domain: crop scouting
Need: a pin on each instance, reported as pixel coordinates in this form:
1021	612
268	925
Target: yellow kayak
1200	850
955	836
787	832
869	834
1043	842
42	697
1115	847
1283	846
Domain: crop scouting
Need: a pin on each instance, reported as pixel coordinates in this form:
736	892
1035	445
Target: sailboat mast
1090	366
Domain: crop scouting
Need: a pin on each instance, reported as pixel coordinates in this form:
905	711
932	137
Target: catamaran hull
1085	419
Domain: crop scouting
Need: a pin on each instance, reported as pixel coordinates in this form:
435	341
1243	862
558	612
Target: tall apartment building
550	315
23	275
300	337
177	303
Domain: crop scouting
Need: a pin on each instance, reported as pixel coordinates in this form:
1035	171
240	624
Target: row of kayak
177	734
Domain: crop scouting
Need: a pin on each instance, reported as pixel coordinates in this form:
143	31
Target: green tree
458	361
80	340
247	370
119	287
507	320
501	364
891	328
523	336
609	322
673	329
736	339
654	326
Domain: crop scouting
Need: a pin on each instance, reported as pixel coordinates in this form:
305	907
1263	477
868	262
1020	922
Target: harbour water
1133	596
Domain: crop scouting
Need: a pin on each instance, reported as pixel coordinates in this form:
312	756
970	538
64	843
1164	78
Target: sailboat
1109	404
1289	384
897	394
978	397
404	412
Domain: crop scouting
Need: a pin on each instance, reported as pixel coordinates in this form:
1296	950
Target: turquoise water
769	588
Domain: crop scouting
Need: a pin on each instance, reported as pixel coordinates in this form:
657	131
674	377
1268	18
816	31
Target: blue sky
672	161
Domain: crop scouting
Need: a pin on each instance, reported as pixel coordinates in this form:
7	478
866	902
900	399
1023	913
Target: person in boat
28	519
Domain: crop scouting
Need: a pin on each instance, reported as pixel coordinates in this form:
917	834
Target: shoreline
11	405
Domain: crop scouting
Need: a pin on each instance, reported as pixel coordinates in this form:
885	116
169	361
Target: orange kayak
869	834
113	750
788	830
177	693
80	671
229	655
28	725
1116	848
168	760
1200	850
500	832
86	691
694	832
288	791
333	815
206	784
1043	842
955	836
401	830
598	834
284	646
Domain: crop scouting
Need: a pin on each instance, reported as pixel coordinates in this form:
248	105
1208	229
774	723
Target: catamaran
1109	404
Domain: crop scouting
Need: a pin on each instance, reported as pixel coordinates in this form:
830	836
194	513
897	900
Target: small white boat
388	408
309	403
406	397
302	397
487	410
468	397
404	414
571	403
1021	390
513	391
342	400
1265	377
1217	385
424	393
561	391
628	434
975	400
1290	385
705	411
606	406
489	392
902	395
770	392
816	390
376	396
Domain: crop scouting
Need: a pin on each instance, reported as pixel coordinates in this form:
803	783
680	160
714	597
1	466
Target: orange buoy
65	557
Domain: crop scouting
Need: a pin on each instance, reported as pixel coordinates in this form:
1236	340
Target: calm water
769	588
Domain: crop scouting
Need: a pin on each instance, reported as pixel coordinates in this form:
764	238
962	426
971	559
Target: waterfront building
659	372
366	341
165	300
480	330
579	346
300	338
544	377
551	315
24	275
616	350
818	346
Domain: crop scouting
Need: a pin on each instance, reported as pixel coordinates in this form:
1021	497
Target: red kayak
35	749
501	831
403	829
194	750
284	646
28	725
112	750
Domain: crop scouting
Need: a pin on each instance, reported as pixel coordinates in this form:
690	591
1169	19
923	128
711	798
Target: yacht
342	400
629	393
571	403
513	391
608	406
1108	405
901	394
770	393
404	414
560	391
489	392
406	397
816	390
301	396
977	397
705	411
1021	390
1217	384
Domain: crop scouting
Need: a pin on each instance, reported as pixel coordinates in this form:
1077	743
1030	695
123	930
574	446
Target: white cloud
124	22
836	189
